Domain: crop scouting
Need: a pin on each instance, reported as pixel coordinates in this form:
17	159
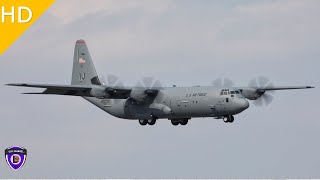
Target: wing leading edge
71	90
284	88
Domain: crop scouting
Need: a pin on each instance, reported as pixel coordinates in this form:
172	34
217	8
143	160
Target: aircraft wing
284	88
77	90
254	93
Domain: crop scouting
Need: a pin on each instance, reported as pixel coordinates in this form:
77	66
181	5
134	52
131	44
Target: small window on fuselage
225	93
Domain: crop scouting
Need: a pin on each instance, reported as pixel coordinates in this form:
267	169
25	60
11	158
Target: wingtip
310	87
31	93
11	84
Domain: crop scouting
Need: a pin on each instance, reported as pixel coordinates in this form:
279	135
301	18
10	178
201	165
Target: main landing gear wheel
228	119
143	122
151	121
175	122
184	122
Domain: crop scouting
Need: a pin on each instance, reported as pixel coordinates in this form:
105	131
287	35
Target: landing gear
143	122
151	121
184	122
176	122
228	119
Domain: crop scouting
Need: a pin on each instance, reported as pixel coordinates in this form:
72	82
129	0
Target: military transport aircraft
148	104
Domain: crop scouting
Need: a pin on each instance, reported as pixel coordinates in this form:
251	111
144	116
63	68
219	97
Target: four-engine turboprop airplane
148	104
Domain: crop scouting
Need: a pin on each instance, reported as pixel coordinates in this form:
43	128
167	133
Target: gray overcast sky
180	42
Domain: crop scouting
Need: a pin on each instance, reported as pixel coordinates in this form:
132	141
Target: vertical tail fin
83	72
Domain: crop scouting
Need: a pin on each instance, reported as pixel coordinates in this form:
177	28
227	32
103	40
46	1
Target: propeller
265	97
112	80
223	83
152	84
149	83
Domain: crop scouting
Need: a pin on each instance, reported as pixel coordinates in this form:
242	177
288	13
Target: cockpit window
227	91
237	92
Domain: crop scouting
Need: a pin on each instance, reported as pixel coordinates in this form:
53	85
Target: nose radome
244	104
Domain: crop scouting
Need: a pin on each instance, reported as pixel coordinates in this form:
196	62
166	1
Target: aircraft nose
244	104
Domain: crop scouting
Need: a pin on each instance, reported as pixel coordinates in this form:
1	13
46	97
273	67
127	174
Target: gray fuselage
177	103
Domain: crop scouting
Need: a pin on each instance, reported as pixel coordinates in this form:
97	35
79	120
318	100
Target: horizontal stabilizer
32	93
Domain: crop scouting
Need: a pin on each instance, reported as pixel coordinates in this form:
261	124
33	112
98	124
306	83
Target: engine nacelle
139	95
99	92
165	109
251	93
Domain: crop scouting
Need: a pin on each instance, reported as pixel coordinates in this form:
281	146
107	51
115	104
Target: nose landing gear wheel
225	119
143	122
228	119
232	119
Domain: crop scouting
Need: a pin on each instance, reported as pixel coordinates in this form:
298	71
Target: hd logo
12	13
16	16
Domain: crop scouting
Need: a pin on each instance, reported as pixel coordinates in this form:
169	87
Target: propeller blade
103	80
253	83
270	85
223	82
112	79
258	102
228	83
262	81
267	98
217	82
157	84
119	84
147	81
